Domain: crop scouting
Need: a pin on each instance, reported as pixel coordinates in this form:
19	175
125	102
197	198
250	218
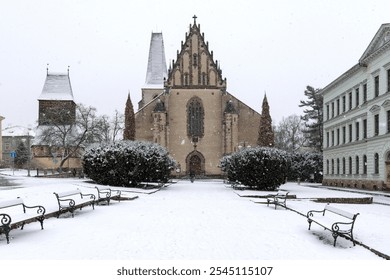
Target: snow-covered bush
258	168
307	166
128	163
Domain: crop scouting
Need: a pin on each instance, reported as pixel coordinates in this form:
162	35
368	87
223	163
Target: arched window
357	165
343	165
364	164
376	163
350	165
327	166
338	166
332	166
195	117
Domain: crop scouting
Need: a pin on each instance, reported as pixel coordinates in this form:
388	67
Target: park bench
106	194
338	221
72	200
14	213
278	199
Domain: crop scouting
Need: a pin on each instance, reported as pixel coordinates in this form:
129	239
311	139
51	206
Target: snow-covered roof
157	67
57	87
17	130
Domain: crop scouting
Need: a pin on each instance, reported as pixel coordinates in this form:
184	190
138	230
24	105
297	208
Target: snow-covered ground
205	220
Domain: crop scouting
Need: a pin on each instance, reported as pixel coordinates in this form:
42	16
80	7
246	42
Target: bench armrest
40	209
91	196
311	213
5	219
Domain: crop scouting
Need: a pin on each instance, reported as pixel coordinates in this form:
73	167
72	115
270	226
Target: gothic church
188	110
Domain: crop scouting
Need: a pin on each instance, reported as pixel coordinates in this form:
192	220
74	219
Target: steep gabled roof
57	87
157	66
380	42
195	65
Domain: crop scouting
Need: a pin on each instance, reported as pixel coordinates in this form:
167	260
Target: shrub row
128	163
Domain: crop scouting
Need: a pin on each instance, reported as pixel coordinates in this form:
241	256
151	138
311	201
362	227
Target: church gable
380	41
195	66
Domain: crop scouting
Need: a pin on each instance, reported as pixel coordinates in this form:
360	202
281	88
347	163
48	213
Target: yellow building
188	109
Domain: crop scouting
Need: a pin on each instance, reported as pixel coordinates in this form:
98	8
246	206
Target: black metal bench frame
6	224
106	194
344	229
278	199
67	201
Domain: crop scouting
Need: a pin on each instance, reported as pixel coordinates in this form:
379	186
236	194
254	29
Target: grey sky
276	46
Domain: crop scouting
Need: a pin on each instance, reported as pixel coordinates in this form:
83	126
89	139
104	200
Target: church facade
188	110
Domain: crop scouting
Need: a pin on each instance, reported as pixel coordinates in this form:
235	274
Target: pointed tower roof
157	66
57	87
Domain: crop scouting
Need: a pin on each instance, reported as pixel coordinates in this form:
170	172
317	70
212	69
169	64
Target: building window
338	137
344	134
332	138
327	111
357	164
338	167
364	93
327	139
332	109
344	105
332	166
364	164
195	118
350	165
338	106
350	132
364	128
343	166
388	121
327	166
350	100
357	97
376	163
195	59
376	125
357	130
376	86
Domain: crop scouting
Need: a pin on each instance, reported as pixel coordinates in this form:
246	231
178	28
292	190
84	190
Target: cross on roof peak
194	17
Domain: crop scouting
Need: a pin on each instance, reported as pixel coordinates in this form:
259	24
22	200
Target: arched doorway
195	163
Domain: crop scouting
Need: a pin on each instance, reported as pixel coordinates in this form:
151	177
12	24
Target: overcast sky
278	47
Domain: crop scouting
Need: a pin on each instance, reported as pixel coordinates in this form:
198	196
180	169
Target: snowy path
204	220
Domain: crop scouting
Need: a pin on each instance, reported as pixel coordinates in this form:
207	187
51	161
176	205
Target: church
188	109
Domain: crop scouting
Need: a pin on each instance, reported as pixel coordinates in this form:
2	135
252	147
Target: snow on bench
105	193
278	199
14	213
339	222
71	200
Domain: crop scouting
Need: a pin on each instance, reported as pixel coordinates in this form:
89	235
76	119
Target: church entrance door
195	163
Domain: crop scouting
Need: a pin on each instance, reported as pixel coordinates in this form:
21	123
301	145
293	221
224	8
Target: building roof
57	87
17	130
157	66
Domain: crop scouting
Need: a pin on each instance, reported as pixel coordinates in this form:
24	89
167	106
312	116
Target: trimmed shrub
128	163
258	168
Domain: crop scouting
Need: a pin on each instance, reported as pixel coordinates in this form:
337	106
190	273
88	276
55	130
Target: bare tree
70	138
289	134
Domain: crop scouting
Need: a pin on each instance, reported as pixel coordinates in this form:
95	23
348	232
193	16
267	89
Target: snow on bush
127	163
305	166
258	168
